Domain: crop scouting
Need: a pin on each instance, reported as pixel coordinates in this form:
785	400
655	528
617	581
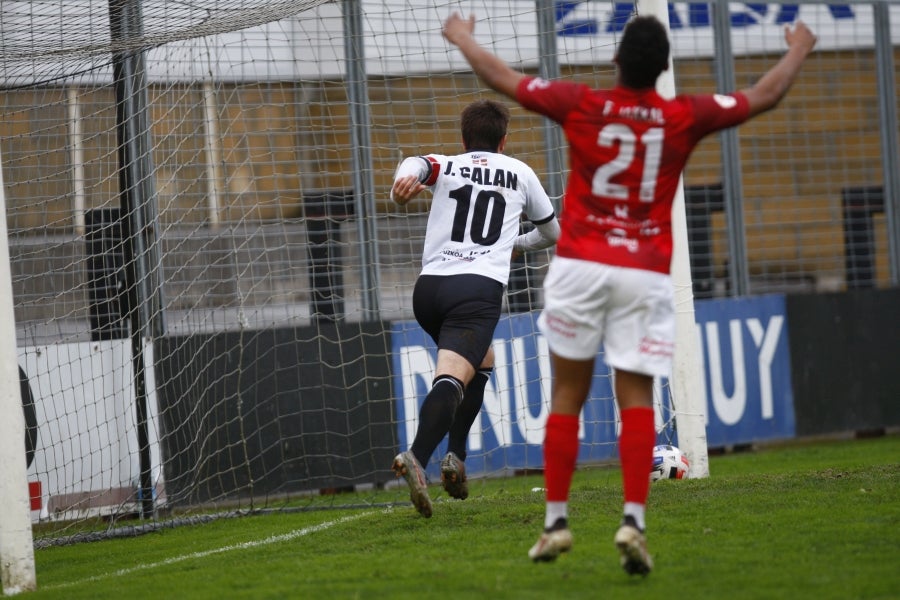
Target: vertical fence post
887	108
738	268
137	200
363	180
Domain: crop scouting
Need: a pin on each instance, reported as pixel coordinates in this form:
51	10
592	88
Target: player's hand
799	36
457	28
405	189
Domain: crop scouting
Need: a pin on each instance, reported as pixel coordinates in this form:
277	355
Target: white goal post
17	572
686	385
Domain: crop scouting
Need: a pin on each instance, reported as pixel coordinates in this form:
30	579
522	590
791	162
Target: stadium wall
277	132
333	429
844	360
776	367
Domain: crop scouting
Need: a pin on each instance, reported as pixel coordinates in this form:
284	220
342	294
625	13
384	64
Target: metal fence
241	151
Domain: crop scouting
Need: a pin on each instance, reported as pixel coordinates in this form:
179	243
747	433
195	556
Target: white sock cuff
555	511
636	511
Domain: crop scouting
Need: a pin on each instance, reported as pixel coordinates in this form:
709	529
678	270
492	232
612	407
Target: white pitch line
275	539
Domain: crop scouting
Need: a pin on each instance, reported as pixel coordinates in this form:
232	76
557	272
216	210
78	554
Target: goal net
212	289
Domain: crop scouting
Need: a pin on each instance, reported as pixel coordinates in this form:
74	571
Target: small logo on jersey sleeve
537	84
435	167
725	101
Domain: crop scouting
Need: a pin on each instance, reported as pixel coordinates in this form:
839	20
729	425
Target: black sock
560	523
436	416
629	520
467	412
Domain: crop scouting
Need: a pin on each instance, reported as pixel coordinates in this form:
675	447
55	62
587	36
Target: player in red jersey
609	281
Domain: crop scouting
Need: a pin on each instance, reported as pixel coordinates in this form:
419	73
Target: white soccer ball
669	463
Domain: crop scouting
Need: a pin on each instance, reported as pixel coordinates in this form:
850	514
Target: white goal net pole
686	385
16	547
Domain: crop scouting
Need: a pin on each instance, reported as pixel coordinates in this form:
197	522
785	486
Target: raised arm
489	67
772	87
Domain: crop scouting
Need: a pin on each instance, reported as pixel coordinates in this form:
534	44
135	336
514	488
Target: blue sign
746	387
748	390
699	14
509	434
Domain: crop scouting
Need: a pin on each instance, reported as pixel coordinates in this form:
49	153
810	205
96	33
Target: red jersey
627	149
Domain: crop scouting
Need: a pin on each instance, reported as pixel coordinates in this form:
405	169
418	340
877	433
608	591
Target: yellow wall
281	141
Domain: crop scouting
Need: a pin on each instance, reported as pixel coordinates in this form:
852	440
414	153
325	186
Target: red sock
636	452
560	455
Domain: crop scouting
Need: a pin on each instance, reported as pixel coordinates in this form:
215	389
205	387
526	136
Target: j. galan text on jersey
478	200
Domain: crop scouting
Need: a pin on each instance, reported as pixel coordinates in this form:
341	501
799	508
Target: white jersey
479	199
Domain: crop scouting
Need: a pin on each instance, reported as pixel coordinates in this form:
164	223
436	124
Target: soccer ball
669	463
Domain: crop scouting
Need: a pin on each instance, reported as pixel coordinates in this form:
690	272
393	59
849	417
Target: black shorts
459	312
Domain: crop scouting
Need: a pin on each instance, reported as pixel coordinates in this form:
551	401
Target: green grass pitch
800	520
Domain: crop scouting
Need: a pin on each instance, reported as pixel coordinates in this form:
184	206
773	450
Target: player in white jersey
479	199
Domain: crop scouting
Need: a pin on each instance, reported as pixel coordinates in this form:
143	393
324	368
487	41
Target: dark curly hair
484	124
643	52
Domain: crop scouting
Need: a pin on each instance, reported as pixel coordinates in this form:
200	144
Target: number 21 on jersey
614	133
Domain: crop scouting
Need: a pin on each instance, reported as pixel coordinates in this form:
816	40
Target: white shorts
630	311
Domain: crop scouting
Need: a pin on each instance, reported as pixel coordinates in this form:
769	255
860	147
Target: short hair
484	124
643	52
